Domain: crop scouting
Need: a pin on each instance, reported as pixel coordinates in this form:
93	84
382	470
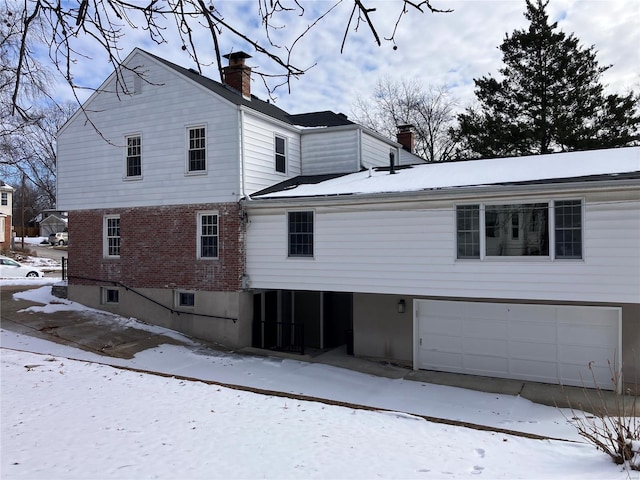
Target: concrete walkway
91	333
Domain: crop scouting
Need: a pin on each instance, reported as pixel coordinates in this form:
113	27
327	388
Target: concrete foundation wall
224	331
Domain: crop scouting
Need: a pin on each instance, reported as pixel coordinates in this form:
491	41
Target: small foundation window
110	295
185	299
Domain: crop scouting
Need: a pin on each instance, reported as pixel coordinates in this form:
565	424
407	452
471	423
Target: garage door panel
484	346
445	343
534	332
485	328
546	343
484	365
533	370
540	352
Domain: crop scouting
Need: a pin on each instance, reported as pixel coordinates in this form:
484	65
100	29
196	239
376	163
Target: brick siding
158	248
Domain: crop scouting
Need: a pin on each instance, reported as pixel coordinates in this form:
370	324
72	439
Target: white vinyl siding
167	104
375	152
331	151
412	250
258	152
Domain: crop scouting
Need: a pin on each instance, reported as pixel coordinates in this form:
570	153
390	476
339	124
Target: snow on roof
474	173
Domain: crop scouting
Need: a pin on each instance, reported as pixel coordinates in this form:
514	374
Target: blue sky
437	49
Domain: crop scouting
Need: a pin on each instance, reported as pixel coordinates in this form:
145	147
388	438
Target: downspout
241	154
244	198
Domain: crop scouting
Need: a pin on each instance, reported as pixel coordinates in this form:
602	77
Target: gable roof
617	163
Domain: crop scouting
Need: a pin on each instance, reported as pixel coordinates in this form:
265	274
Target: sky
68	413
436	49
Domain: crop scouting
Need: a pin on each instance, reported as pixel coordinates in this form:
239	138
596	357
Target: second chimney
405	137
238	75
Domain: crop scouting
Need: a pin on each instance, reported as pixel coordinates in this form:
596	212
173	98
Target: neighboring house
52	221
153	184
525	268
209	211
6	215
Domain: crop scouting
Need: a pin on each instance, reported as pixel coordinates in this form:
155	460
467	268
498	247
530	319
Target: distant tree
430	110
30	152
73	28
549	98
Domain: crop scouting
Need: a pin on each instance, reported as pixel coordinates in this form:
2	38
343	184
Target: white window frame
522	258
276	153
106	236
199	234
126	156
188	130
4	199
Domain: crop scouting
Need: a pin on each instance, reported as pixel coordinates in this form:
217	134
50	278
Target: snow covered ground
64	419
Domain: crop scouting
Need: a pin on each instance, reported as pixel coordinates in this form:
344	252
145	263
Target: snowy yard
78	419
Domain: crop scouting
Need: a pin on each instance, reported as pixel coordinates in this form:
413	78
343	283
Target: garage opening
544	343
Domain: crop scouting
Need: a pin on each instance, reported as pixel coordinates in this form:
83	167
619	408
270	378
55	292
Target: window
568	229
5	198
468	222
112	236
517	230
185	299
197	149
110	295
520	230
207	235
301	234
134	156
281	154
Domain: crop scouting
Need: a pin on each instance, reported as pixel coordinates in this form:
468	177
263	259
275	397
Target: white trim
276	136
105	237
125	175
199	216
187	129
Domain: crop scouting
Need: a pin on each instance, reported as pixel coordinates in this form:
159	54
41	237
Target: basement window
110	295
185	299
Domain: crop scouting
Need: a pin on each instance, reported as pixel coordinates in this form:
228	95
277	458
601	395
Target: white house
152	170
197	206
524	268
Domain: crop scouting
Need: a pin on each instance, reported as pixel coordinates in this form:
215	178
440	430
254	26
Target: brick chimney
238	75
405	137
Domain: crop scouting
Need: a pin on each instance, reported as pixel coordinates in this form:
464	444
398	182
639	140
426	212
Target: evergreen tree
549	99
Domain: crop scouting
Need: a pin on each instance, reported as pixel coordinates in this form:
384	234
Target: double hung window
281	154
207	235
197	151
112	236
134	156
300	232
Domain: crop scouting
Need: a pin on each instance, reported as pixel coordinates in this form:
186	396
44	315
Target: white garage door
542	343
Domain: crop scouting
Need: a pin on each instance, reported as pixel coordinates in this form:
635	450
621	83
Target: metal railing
279	336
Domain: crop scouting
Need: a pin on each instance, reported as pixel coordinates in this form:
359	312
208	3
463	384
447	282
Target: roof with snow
593	165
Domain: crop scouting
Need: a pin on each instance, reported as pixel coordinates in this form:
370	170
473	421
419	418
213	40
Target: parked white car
9	268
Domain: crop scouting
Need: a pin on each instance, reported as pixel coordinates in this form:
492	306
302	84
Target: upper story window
281	154
568	229
520	230
300	233
5	198
134	156
197	151
112	236
207	235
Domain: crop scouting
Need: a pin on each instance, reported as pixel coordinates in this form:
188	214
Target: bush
613	429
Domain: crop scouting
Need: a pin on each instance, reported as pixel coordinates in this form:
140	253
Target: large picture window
301	234
520	230
112	236
197	153
208	235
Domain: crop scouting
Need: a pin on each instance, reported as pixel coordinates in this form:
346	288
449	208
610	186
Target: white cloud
437	49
